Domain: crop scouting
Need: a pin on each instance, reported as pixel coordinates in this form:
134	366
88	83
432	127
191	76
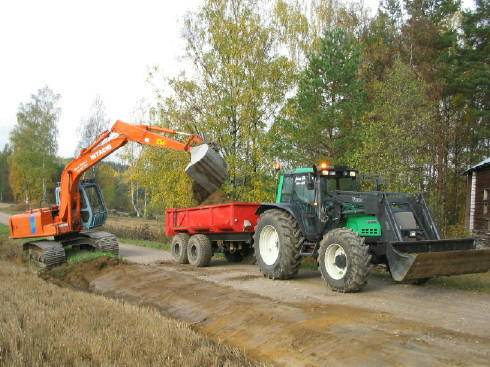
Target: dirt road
4	218
301	322
143	255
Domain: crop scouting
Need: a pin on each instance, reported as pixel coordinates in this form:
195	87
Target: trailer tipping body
220	220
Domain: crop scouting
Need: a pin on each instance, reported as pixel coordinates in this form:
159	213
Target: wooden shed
477	201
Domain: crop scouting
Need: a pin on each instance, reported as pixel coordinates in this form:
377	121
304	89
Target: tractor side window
287	189
327	185
301	192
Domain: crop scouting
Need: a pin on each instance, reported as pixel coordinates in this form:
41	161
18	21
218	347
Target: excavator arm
90	156
207	168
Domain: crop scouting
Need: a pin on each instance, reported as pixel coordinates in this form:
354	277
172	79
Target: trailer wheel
277	242
344	260
199	250
179	248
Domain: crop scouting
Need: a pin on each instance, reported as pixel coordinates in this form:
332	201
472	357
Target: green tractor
320	212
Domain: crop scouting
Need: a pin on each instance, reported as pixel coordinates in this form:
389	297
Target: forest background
402	94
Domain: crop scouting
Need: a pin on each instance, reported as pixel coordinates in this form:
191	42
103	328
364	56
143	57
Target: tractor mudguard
282	206
432	258
267	206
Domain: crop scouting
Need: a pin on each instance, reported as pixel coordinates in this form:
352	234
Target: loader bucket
208	170
427	259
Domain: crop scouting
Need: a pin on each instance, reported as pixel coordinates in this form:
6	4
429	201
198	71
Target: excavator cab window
93	209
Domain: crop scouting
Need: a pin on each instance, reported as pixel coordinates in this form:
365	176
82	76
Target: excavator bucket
207	169
426	259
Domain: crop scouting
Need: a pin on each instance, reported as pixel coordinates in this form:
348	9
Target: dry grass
42	324
136	228
468	282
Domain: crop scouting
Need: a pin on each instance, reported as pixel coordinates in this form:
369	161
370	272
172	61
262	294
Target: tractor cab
93	211
307	192
312	184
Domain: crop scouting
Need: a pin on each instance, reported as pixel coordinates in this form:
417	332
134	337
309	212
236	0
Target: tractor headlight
352	173
413	234
331	173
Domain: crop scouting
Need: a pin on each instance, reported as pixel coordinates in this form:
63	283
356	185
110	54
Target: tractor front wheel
344	260
277	241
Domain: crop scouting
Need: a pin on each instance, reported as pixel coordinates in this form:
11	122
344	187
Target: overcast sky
84	48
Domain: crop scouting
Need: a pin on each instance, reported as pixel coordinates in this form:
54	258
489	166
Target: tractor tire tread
360	259
291	260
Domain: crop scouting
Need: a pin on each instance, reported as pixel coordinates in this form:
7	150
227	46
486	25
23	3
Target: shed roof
483	164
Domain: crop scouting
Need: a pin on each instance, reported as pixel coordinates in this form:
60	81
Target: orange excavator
79	203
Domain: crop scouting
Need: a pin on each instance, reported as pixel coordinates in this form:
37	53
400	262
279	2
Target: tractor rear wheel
179	248
277	241
199	250
344	260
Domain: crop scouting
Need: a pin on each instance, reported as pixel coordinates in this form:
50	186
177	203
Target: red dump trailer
198	232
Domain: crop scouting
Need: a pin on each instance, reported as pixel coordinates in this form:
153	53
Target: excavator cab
93	210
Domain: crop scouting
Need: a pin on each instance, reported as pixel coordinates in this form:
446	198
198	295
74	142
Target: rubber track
106	242
291	259
52	253
360	261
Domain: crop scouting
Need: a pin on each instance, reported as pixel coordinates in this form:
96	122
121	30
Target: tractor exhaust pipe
207	169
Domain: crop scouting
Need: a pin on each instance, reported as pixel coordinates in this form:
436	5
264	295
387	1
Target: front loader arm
69	210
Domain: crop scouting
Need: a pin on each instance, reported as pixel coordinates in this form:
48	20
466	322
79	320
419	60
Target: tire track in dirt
292	333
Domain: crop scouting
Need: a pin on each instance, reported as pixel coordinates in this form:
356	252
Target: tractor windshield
328	184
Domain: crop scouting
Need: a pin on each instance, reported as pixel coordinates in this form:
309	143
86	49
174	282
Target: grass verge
4	230
468	282
78	257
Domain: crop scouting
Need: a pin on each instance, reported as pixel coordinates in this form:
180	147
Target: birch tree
34	144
